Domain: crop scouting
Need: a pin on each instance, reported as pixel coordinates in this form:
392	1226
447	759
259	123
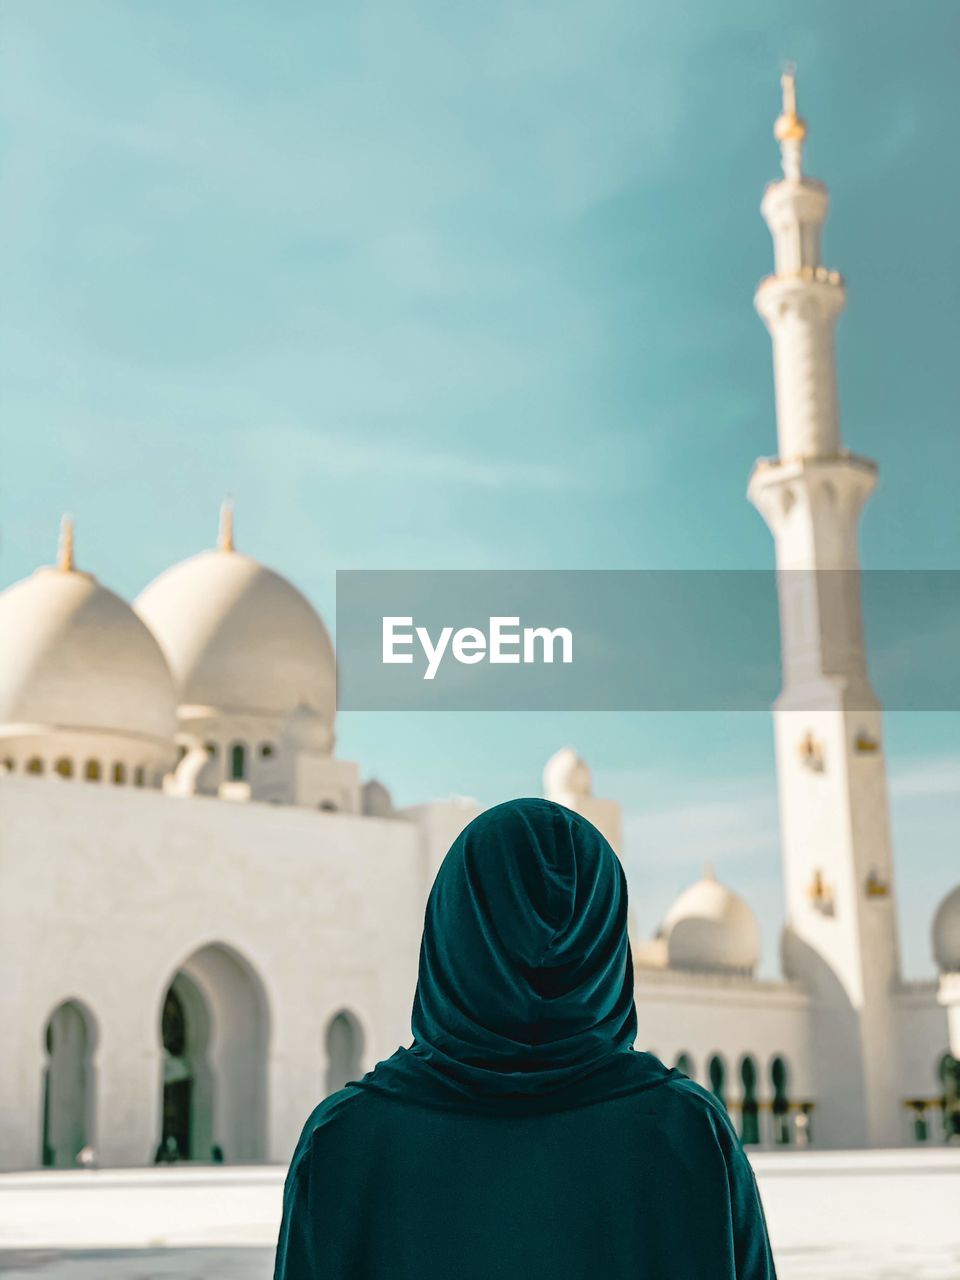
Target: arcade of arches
213	1031
772	1116
213	1034
776	1119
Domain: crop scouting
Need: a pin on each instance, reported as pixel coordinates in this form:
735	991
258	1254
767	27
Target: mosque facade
208	920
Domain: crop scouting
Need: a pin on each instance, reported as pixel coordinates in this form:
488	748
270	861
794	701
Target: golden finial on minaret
789	124
65	559
225	539
789	129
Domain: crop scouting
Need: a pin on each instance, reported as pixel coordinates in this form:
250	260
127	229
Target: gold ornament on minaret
789	129
811	752
789	124
820	894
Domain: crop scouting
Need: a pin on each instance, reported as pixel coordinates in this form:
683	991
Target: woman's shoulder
648	1081
334	1107
331	1120
700	1103
697	1095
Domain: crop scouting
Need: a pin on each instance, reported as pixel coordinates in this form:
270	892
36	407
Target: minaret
840	937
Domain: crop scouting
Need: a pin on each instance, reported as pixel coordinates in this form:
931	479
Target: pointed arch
749	1105
214	1029
684	1062
948	1073
780	1105
717	1077
238	762
69	1084
343	1042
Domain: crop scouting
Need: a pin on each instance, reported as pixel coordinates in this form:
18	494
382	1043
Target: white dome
946	933
239	638
74	656
306	730
376	801
567	775
710	927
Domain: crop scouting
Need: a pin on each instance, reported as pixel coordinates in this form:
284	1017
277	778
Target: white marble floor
884	1215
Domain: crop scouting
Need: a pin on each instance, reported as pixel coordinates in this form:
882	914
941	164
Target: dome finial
65	560
225	537
708	871
790	130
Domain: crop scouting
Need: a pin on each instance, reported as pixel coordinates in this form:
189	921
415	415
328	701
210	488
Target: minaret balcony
806	287
821	275
850	469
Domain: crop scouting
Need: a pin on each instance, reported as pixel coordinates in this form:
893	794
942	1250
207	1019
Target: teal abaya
521	1137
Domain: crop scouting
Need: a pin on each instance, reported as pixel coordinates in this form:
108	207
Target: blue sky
469	286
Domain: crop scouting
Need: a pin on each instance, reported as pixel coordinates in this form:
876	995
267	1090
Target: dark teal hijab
480	1151
525	995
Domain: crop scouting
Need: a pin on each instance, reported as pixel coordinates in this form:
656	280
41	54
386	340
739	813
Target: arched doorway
68	1085
750	1108
684	1063
344	1048
949	1074
214	1030
238	762
187	1120
781	1102
717	1075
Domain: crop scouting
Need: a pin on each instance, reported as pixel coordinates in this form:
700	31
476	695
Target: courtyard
878	1215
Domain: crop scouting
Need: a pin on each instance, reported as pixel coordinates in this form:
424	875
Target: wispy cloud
728	825
340	457
927	776
733	827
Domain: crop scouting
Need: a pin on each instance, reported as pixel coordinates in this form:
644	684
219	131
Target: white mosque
208	921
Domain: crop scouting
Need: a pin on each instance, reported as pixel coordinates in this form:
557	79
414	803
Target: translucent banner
647	640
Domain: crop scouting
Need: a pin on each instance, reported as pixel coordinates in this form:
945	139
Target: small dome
709	927
74	656
239	638
376	801
567	776
946	933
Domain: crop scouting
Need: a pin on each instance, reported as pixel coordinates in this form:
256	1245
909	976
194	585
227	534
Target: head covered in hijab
525	994
523	1019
